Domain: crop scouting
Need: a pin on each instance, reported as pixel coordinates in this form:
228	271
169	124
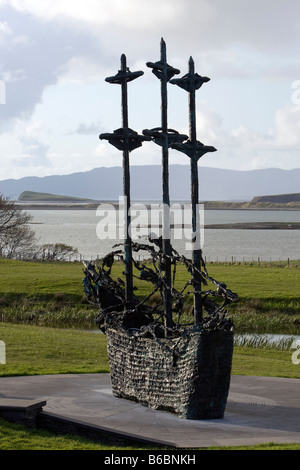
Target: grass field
34	350
52	294
37	298
270	283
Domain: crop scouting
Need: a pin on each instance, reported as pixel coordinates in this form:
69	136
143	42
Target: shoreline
238	226
208	205
256	226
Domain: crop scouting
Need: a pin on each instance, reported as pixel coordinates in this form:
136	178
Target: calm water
79	229
281	341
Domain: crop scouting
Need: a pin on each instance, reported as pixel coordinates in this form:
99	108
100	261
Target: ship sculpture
160	355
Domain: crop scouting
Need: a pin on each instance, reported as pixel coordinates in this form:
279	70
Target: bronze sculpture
155	358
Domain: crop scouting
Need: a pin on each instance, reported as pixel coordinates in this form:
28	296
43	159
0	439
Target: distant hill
107	183
32	196
279	198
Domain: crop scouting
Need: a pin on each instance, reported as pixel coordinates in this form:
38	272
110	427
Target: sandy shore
257	226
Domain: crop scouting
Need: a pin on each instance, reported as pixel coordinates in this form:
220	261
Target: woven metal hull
189	376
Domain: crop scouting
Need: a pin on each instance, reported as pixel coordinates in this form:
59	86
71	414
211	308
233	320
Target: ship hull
189	376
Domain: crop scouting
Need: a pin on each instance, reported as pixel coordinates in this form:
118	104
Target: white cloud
80	69
33	57
247	148
270	25
88	129
209	124
134	13
4	28
286	134
69	46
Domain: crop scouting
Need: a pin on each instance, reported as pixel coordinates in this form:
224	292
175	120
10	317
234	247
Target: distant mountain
32	196
278	198
106	183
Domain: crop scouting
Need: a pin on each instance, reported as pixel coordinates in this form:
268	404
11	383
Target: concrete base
259	410
20	411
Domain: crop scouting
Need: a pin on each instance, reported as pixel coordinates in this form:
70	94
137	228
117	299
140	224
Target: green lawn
40	280
268	283
17	437
44	294
51	294
33	350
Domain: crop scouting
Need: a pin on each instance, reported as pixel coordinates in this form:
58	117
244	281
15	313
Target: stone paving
259	410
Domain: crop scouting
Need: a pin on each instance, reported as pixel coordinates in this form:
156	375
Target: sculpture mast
125	139
165	137
195	150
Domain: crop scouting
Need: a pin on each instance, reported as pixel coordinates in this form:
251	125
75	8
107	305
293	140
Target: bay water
94	232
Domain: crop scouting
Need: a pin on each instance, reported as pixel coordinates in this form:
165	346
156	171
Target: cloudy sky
54	101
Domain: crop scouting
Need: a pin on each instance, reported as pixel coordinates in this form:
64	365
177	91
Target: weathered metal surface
190	377
102	289
189	371
164	137
158	356
125	139
195	150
